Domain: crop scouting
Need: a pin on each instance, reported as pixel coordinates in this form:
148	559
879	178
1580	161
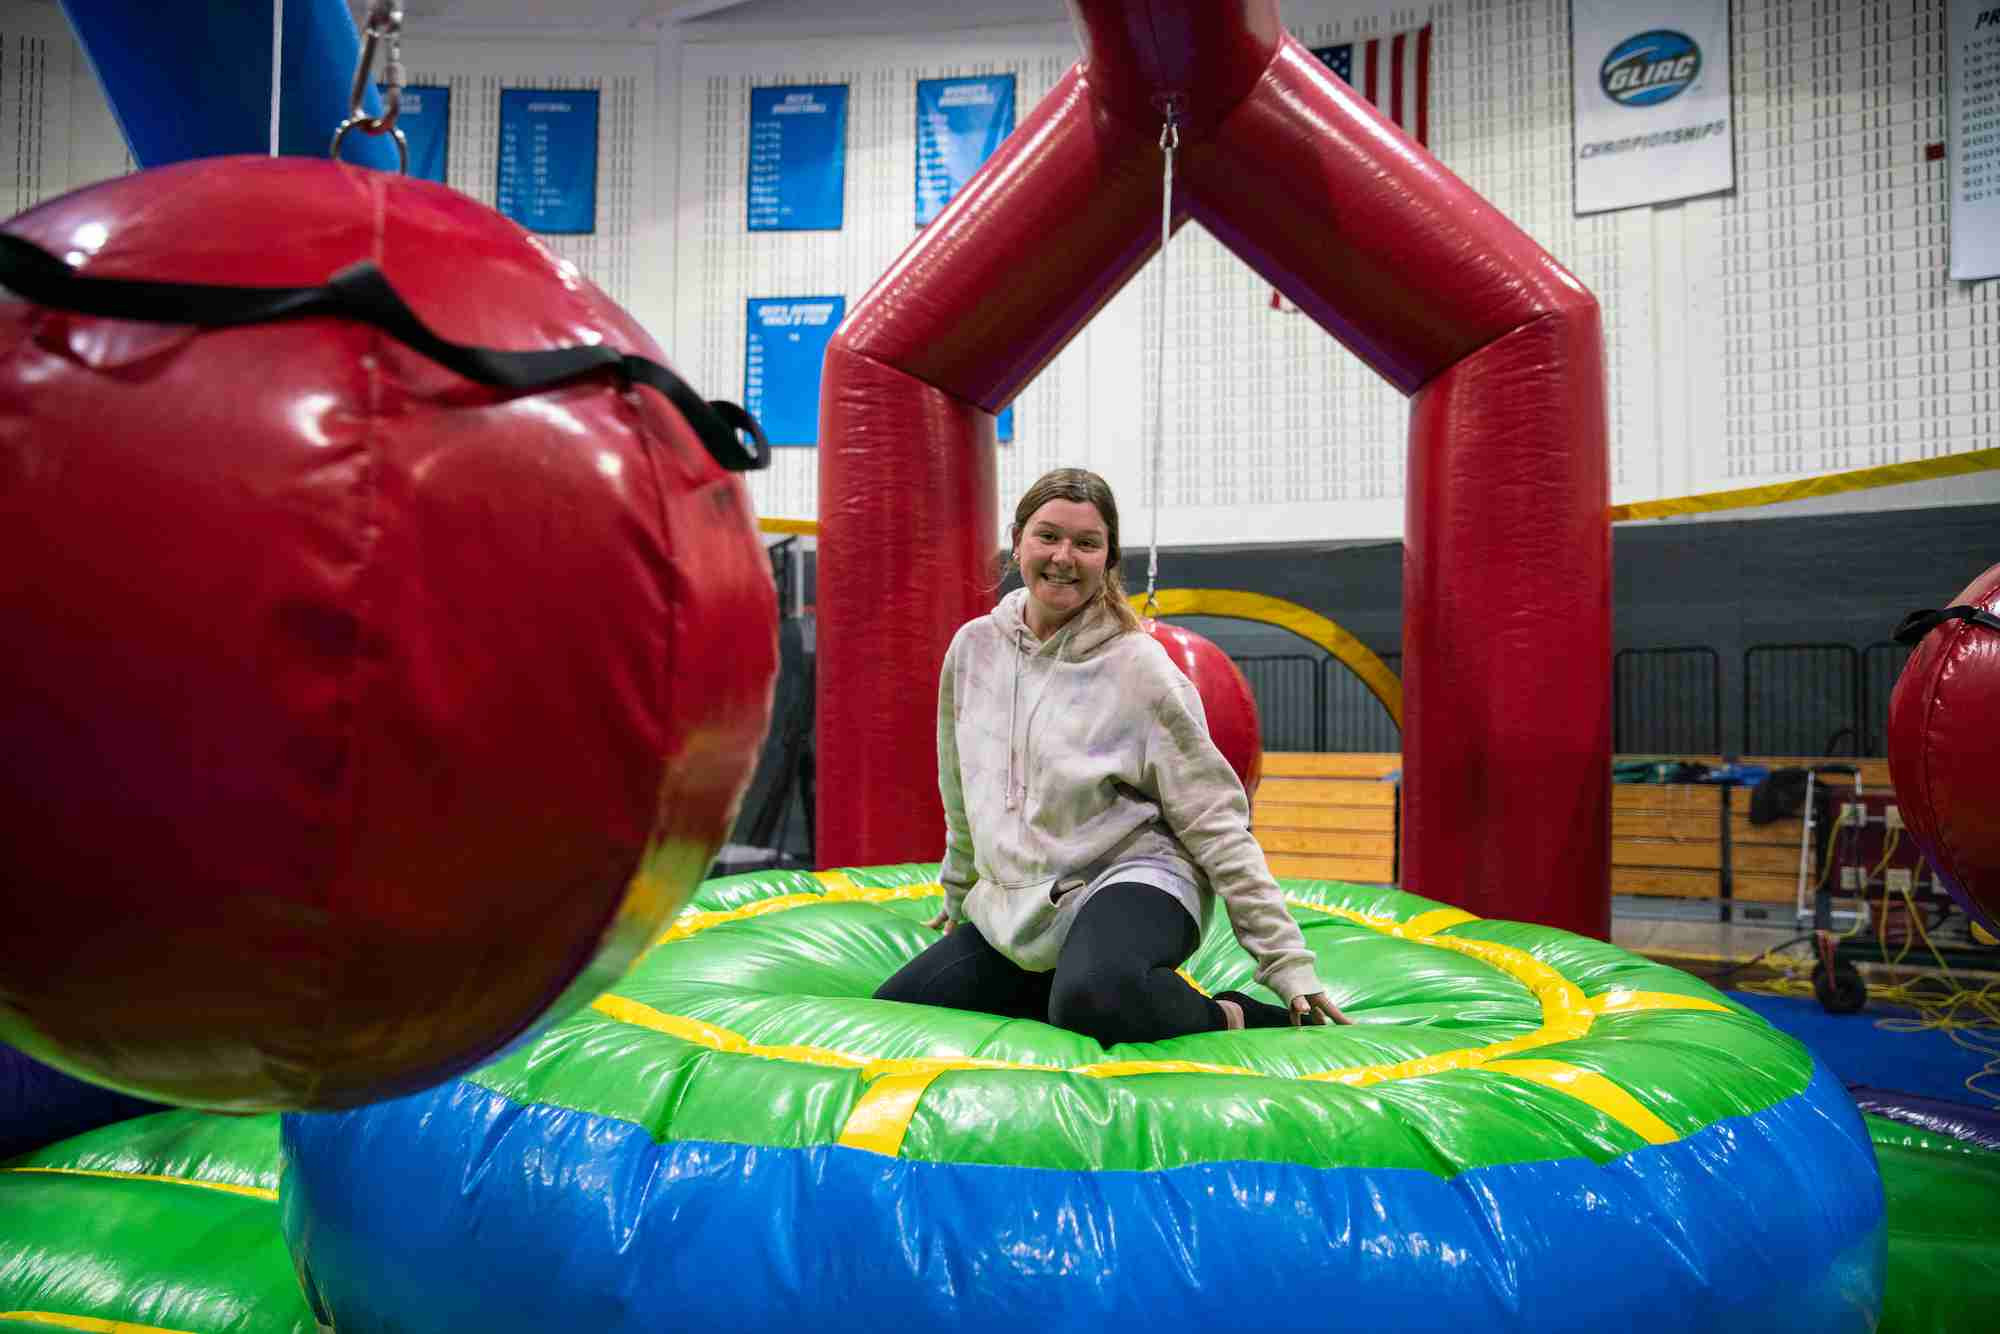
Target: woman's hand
1316	1008
942	922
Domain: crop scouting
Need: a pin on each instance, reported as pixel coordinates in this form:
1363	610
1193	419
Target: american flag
1394	73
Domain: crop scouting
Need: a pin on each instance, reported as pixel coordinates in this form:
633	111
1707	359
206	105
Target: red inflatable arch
1507	577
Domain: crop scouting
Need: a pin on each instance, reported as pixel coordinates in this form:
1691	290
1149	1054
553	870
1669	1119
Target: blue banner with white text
784	347
959	124
425	120
548	159
798	158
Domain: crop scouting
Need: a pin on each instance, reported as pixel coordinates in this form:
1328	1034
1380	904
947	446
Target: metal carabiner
1170	122
402	143
385	23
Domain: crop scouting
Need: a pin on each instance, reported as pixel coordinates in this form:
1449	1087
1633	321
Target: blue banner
959	124
1005	429
548	159
798	158
783	350
425	121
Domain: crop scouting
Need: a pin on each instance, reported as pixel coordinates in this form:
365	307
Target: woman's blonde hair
1085	488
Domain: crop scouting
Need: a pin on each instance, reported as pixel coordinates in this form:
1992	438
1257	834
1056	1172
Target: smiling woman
1090	835
1065	544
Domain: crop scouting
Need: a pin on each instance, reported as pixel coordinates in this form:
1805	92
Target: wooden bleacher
1333	816
1666	838
1330	816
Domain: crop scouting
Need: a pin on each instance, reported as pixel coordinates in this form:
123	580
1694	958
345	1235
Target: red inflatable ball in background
360	717
1225	699
1944	745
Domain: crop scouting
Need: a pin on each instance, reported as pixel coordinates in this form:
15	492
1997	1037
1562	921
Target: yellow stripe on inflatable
90	1323
839	890
1426	924
1120	1069
1593	1089
1621	1000
1307	624
1562	1002
701	921
231	1187
880	1118
716	1038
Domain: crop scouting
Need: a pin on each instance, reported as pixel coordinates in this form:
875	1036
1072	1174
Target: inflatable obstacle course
167	1222
1514	1102
171	1222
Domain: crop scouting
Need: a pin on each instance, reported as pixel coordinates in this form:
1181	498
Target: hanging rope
1170	139
277	68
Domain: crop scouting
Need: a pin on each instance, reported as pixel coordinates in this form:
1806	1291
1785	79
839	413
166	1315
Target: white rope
1170	139
277	67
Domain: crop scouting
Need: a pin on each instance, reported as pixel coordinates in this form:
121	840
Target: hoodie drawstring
1013	715
1018	794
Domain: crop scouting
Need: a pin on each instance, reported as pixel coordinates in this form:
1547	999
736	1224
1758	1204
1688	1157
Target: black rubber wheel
1842	991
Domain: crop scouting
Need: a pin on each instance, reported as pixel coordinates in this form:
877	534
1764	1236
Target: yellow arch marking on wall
881	1117
231	1187
90	1323
1307	624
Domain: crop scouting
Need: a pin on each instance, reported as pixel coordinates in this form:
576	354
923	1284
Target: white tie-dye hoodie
1060	758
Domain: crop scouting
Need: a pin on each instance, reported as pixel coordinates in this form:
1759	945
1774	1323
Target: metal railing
1667	701
1290	690
1801	699
1314	703
1355	719
1881	664
1797	699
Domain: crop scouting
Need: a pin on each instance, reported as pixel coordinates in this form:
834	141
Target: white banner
1651	101
1972	137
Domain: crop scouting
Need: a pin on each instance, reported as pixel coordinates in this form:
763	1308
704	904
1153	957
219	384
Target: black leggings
1114	980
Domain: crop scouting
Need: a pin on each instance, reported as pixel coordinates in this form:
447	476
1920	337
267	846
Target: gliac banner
1651	101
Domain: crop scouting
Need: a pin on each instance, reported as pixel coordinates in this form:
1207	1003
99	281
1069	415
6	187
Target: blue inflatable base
459	1209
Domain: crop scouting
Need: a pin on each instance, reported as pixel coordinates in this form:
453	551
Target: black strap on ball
361	293
1920	623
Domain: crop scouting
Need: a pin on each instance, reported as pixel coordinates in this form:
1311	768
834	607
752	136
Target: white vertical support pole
277	67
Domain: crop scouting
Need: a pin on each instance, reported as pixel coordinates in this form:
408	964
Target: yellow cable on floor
1969	1016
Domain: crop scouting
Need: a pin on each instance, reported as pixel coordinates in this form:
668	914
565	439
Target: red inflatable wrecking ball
1944	744
1226	702
360	712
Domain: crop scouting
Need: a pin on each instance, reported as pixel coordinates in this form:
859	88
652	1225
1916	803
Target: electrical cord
1940	1000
